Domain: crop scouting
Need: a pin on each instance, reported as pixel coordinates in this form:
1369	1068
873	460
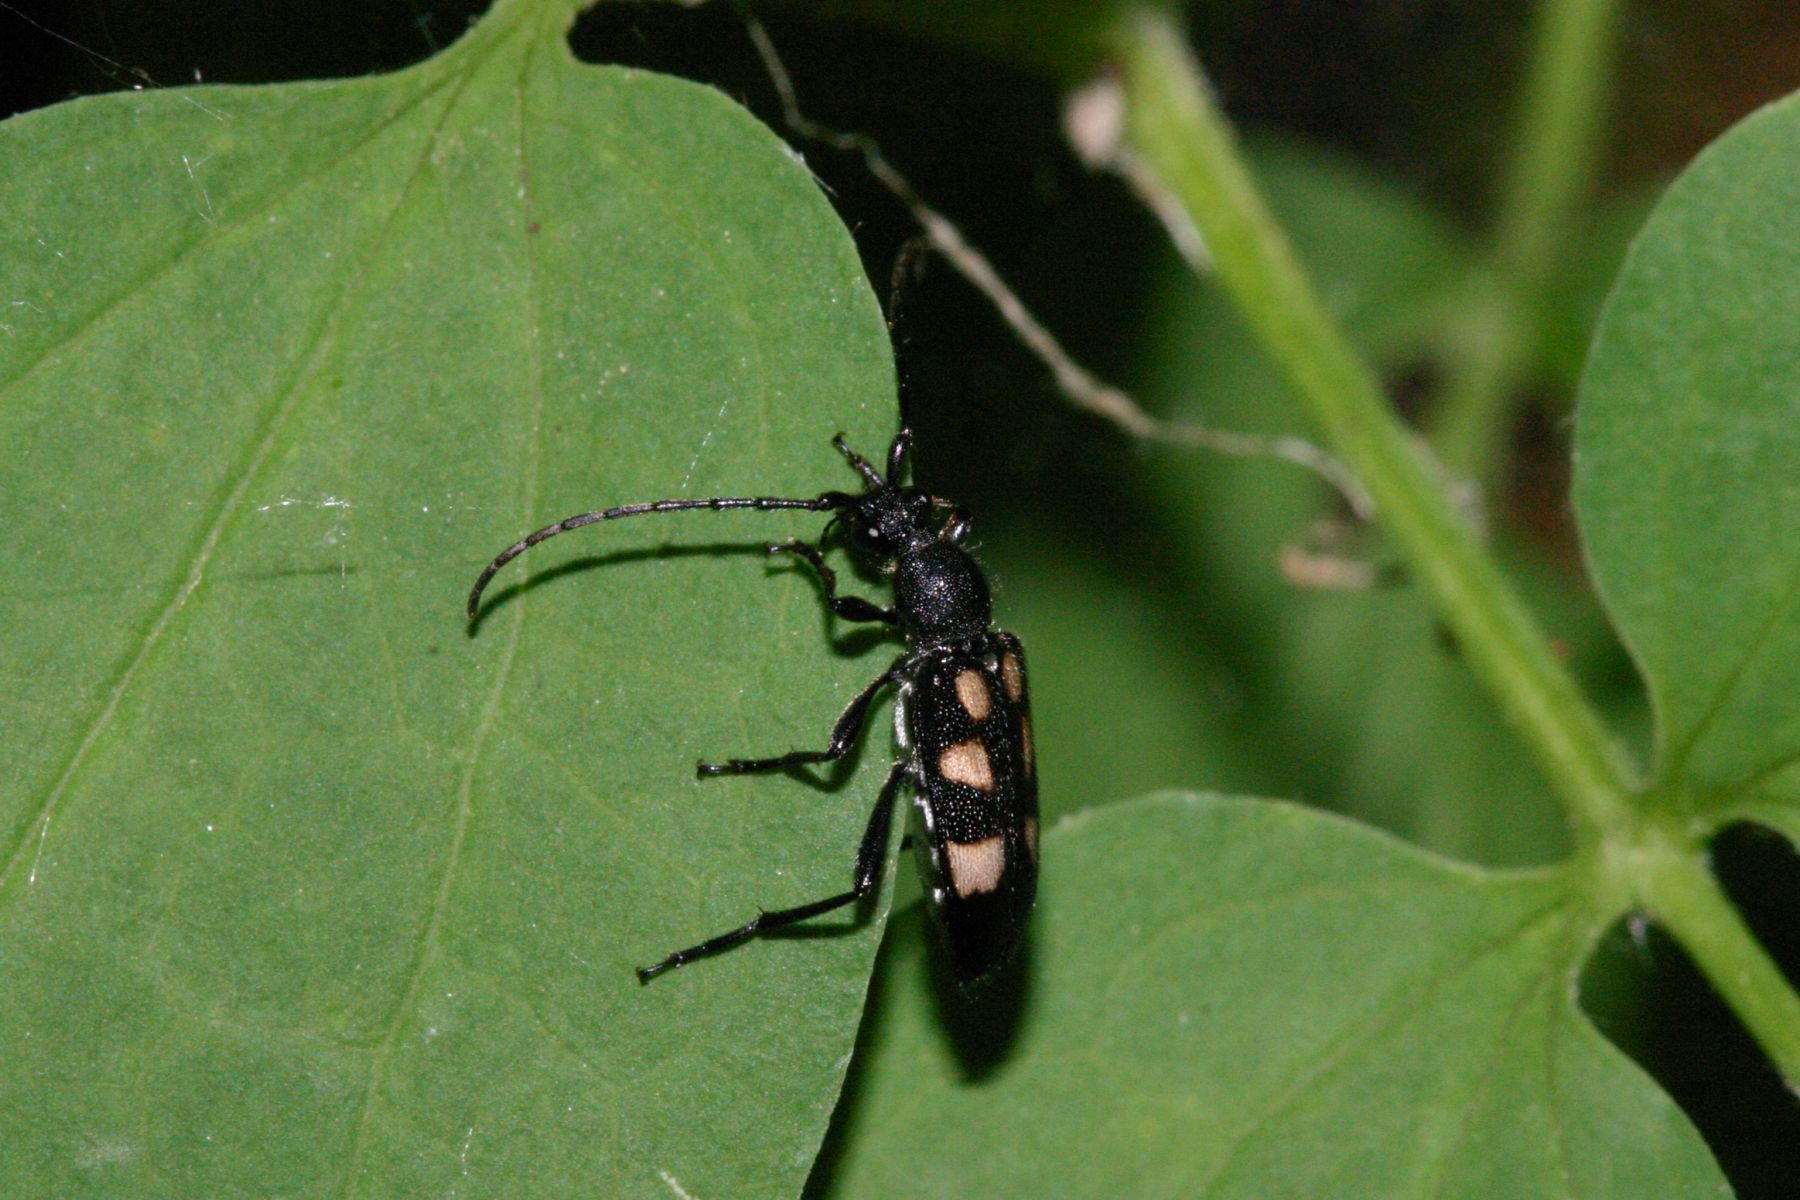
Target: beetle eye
866	534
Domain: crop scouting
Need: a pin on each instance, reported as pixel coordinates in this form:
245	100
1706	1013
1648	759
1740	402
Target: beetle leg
956	529
844	733
851	608
869	857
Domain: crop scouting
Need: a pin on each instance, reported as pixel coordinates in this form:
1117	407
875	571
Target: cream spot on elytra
967	763
972	691
976	866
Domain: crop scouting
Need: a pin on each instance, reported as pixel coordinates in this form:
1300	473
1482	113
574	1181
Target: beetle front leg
851	608
843	735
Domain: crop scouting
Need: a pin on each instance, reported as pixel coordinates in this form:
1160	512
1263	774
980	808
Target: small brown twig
1079	385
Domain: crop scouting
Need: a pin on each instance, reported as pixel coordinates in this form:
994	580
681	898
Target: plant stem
1559	135
1175	128
553	17
1678	890
1558	140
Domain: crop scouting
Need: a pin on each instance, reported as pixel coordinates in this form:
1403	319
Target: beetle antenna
863	466
822	503
906	270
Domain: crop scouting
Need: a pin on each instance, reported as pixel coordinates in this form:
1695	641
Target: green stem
1558	142
1559	136
552	17
1177	131
1481	353
1679	892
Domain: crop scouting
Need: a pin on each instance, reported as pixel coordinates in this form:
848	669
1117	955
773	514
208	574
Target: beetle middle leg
870	854
851	608
844	733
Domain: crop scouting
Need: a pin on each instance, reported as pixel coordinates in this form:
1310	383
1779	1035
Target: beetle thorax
940	594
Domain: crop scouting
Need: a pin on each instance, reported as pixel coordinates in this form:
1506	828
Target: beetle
962	714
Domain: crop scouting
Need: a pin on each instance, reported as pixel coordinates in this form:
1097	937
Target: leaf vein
1340	1049
1558	1142
1679	756
1484	1082
427	946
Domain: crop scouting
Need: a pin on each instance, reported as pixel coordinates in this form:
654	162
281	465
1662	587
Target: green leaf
1177	1041
1688	465
307	888
1387	263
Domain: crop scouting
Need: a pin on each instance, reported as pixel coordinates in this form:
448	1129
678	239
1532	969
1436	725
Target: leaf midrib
428	944
1379	1022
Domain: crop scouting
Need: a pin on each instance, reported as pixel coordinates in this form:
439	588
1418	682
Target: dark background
1421	92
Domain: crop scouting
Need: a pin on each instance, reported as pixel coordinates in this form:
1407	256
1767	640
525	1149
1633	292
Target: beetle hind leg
870	854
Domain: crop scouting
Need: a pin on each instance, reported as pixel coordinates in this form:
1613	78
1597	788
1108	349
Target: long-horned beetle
962	714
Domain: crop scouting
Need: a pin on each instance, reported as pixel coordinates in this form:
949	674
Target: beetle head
886	520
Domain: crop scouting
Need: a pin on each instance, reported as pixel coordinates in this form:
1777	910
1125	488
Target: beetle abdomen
969	720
